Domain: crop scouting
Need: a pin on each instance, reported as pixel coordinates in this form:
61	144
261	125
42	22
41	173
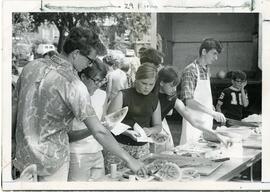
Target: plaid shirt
189	79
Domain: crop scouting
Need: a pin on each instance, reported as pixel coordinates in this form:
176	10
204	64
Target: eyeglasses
238	81
90	61
99	82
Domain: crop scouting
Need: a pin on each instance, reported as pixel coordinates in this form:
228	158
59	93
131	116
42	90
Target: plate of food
169	172
159	138
115	118
189	174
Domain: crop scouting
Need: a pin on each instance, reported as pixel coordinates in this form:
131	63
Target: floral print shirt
48	96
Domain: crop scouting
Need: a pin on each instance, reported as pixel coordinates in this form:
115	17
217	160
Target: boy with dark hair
233	99
196	89
151	55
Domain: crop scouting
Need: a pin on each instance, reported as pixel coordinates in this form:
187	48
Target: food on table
156	165
159	138
189	174
170	172
190	154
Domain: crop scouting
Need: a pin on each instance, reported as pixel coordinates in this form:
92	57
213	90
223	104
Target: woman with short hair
143	109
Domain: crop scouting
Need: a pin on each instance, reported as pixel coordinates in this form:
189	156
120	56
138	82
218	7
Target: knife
221	159
241	123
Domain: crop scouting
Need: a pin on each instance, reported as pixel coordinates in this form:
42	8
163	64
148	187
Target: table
234	166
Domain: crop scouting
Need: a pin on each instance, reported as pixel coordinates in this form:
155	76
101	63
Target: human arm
196	121
105	138
218	106
193	104
188	84
109	87
75	135
80	103
99	103
156	122
116	103
244	98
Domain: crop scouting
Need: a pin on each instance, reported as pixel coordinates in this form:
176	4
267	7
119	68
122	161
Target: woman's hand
132	134
147	131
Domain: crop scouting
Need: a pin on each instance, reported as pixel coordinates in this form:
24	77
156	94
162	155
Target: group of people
59	104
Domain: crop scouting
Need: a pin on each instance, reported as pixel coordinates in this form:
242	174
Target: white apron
203	95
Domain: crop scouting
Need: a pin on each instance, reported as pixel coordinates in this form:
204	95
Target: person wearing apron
196	90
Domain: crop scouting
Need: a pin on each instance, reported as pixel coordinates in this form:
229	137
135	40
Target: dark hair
85	40
209	44
168	74
239	75
145	71
151	55
141	50
97	68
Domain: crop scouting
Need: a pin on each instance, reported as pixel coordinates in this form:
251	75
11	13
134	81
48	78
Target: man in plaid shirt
196	89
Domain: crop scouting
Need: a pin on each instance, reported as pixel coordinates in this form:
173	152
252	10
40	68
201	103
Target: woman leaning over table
144	109
168	80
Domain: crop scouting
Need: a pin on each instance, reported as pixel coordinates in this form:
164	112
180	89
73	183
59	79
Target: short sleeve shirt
232	105
140	110
166	104
49	95
189	79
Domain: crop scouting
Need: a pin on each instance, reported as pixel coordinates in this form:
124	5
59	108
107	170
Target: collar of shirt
64	63
202	67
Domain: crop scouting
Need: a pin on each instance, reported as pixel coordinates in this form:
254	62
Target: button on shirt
48	96
189	79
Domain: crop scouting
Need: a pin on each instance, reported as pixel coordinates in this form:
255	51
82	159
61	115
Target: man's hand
107	125
215	137
29	174
219	117
137	167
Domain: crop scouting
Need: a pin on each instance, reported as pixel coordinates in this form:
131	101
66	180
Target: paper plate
116	117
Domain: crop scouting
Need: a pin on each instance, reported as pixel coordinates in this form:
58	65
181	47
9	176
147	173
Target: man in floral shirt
48	96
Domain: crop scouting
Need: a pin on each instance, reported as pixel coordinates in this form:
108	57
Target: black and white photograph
141	94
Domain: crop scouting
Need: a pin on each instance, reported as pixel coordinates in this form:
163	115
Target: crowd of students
59	102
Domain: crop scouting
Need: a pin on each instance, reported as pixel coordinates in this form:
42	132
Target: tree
66	21
21	23
135	23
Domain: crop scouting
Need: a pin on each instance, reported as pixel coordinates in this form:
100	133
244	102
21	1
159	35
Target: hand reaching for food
133	134
227	141
147	131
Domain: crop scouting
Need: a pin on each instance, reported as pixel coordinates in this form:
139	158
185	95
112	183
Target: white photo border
9	6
